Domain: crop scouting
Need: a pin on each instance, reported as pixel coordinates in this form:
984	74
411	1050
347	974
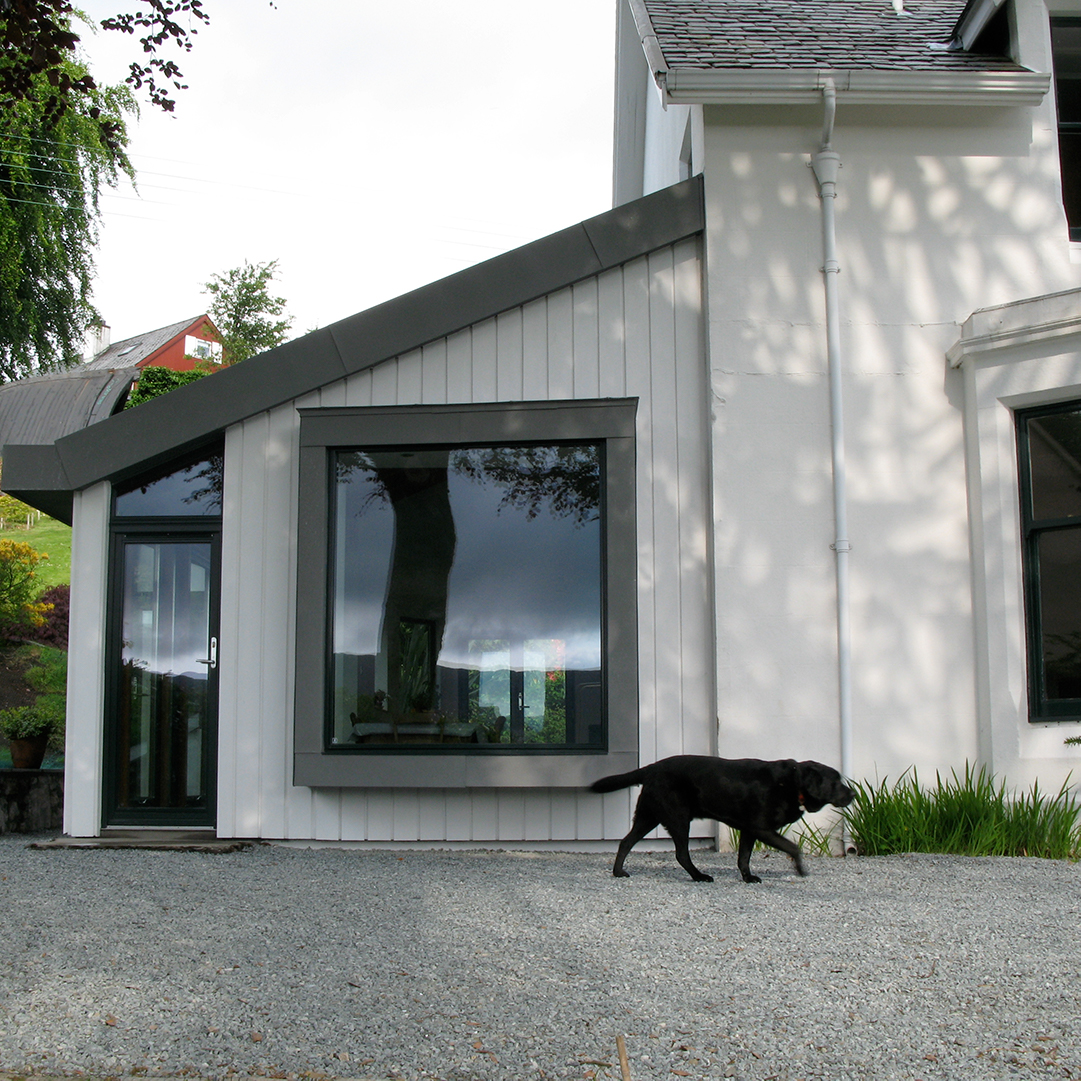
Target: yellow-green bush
19	586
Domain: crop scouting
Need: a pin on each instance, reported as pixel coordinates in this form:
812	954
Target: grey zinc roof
129	352
808	34
48	407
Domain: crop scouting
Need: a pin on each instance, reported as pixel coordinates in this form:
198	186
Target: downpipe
826	165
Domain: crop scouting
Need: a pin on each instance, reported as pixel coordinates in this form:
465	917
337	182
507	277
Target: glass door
162	699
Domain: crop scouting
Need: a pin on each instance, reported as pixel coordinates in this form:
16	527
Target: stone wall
31	800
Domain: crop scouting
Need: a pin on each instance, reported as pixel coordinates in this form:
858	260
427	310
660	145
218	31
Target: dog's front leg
789	848
743	856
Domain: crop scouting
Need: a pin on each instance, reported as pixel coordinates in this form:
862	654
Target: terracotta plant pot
28	753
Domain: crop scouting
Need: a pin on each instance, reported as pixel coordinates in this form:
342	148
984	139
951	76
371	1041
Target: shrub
53	630
155	381
968	816
18	585
26	722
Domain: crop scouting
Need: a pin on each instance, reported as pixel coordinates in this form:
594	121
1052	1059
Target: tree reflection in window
466	591
189	488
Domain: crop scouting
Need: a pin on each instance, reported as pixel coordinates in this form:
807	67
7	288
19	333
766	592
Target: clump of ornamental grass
969	815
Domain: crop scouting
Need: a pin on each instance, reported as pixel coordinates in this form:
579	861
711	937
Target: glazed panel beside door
165	683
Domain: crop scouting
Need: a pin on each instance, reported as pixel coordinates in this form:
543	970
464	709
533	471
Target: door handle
212	660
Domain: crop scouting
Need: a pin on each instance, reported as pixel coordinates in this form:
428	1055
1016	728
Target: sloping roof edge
160	429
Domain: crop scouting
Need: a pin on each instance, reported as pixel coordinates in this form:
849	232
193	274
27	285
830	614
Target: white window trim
1017	356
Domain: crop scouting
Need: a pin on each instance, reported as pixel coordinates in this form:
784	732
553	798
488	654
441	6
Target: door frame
157	531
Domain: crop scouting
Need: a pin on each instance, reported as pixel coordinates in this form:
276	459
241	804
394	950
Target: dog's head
820	784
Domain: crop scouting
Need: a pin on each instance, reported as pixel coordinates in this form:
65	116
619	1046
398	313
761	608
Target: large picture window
467	596
466	591
1050	455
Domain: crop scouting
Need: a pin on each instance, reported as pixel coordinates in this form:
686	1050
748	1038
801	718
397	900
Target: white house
778	458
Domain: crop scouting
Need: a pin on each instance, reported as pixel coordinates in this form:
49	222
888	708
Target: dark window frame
151	528
1068	129
322	431
1042	709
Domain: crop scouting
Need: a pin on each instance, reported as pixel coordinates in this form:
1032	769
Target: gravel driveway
289	962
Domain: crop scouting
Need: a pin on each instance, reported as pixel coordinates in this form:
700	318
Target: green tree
155	381
248	318
52	171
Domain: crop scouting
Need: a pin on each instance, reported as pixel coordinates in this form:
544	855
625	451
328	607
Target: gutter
733	86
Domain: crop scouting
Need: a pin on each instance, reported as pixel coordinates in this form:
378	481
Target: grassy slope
52	538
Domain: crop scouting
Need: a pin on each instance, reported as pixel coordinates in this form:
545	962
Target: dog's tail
619	780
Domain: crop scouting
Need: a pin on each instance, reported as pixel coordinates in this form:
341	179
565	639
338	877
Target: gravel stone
491	965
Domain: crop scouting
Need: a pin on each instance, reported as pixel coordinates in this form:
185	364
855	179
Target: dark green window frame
609	422
1066	58
1050	528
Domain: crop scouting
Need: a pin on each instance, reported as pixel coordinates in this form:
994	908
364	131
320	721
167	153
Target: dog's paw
702	877
621	874
751	878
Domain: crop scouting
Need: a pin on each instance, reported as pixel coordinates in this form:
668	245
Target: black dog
757	798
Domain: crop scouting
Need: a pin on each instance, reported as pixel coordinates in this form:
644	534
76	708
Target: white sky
368	147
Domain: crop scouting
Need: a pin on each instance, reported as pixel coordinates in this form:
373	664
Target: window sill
557	770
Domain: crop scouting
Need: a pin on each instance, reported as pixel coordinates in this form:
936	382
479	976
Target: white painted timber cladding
633	331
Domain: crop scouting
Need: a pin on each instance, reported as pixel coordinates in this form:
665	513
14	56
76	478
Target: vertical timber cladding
631	332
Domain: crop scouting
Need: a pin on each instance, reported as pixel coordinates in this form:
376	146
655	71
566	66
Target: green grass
967	816
53	538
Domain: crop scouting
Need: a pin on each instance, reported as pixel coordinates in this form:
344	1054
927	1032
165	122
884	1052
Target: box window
467	595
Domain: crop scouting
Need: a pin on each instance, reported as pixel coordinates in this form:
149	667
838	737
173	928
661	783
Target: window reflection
466	591
193	488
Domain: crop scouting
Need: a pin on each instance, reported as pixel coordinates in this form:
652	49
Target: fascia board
38	478
1005	89
650	45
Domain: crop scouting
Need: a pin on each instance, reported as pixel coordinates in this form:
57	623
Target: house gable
46	476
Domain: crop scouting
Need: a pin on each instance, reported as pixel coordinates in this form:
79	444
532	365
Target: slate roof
834	34
132	351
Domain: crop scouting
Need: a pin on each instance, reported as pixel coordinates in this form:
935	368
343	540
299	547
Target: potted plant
28	730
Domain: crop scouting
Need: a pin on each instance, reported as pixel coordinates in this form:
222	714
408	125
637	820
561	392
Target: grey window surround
609	420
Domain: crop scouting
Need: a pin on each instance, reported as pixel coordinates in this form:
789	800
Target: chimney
101	338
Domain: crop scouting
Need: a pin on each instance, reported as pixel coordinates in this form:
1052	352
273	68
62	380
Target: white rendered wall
633	331
939	213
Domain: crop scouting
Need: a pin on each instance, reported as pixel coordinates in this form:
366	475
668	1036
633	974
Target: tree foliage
249	319
155	381
39	46
52	171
